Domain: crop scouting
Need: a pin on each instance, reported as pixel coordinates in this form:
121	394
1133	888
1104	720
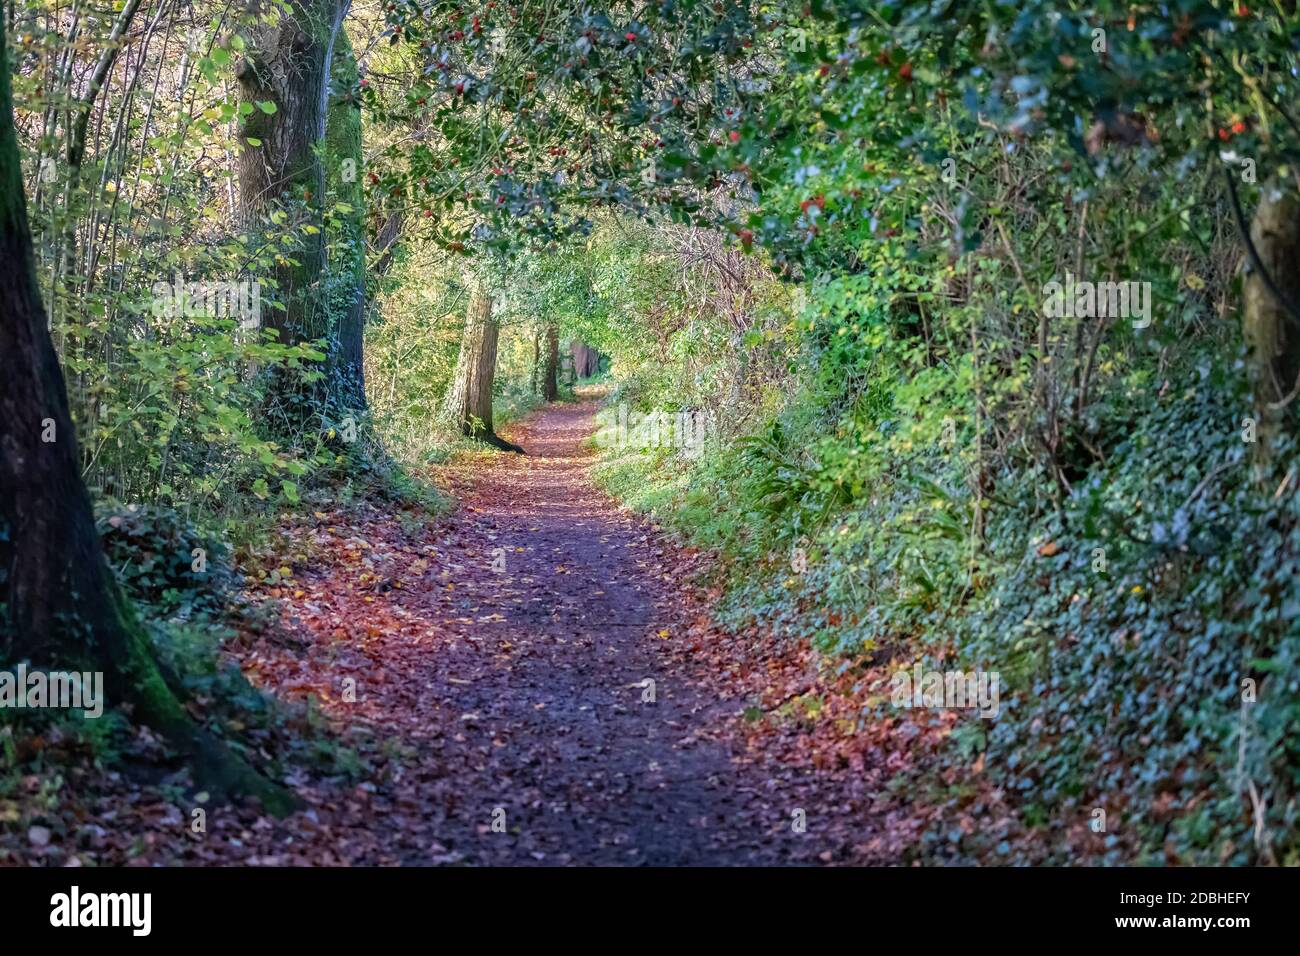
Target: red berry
1239	127
735	137
905	73
630	37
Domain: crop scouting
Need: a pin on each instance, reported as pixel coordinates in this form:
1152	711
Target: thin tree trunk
550	384
535	377
468	405
63	606
483	370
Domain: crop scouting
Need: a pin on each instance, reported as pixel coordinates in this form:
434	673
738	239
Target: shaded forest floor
483	680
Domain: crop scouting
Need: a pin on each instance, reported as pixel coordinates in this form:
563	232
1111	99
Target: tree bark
468	405
288	64
1269	326
76	148
551	368
535	376
62	606
346	376
586	360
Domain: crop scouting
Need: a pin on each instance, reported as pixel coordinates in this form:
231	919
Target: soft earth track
489	670
535	682
519	696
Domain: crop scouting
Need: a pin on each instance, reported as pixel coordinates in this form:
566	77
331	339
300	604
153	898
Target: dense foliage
1077	504
825	235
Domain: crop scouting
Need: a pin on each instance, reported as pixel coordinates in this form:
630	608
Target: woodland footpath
685	432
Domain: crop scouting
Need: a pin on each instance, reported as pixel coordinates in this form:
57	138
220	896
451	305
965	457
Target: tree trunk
62	606
1270	328
76	148
468	405
586	360
347	387
535	376
550	371
288	65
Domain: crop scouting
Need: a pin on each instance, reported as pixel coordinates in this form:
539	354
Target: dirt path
505	669
483	681
558	725
586	766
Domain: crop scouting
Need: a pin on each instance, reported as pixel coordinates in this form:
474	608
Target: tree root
496	441
216	768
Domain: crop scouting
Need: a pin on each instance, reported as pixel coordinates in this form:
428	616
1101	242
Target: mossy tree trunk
343	160
288	66
1271	329
62	607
